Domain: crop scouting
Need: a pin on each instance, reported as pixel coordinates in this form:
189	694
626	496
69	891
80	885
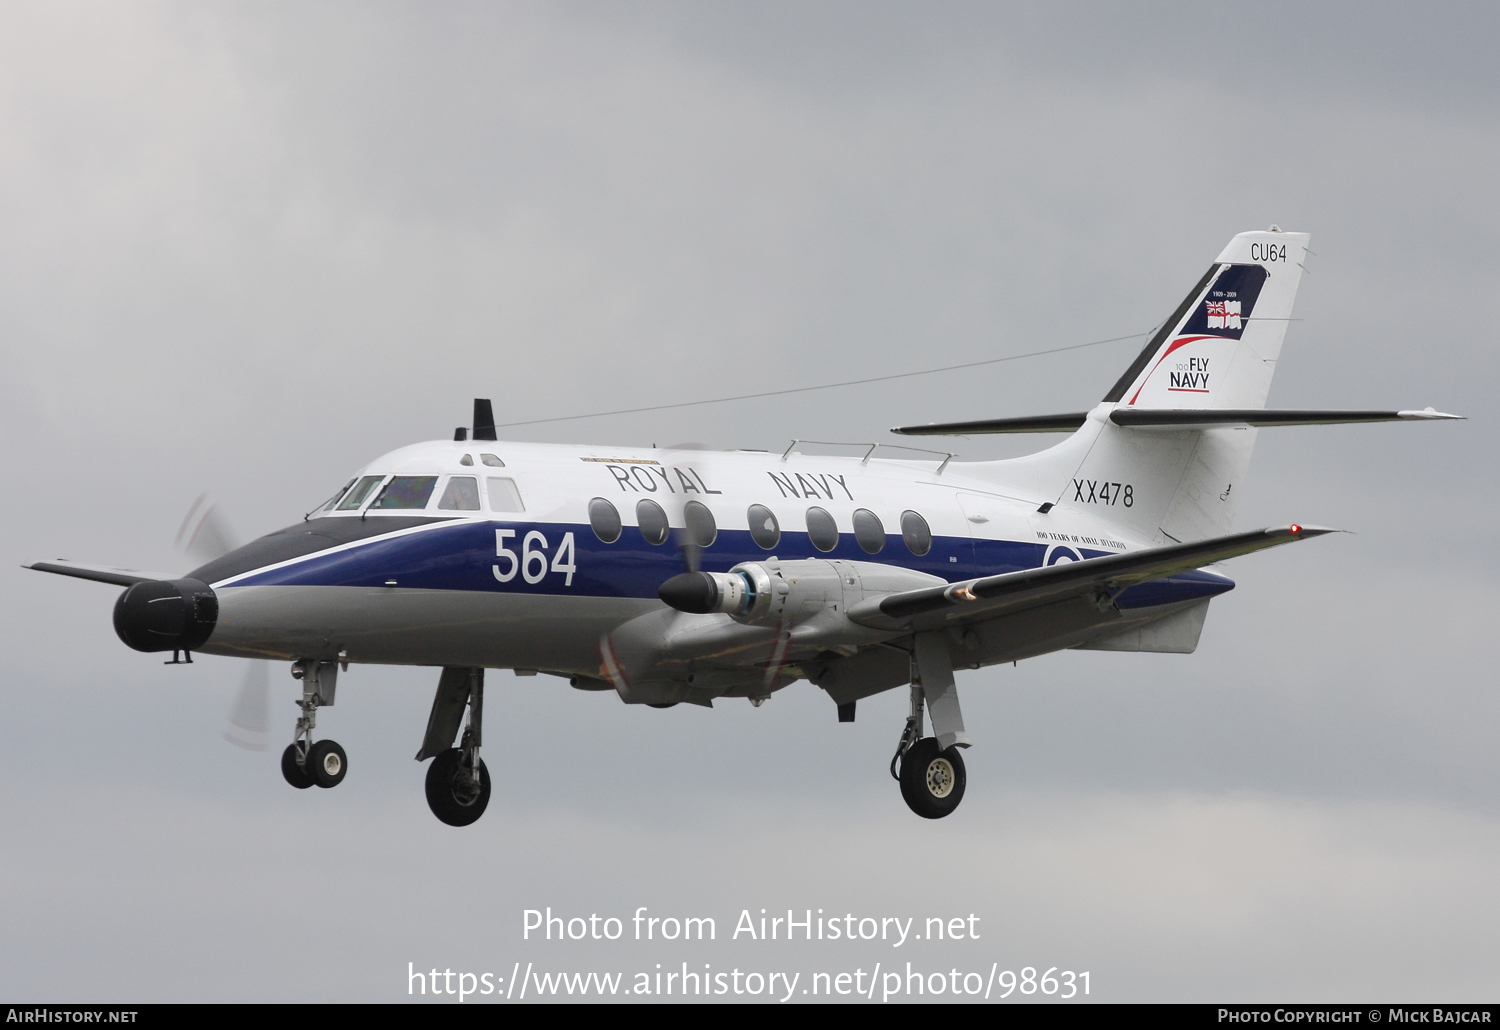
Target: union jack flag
1224	314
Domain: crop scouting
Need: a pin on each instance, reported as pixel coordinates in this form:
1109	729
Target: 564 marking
531	563
1098	491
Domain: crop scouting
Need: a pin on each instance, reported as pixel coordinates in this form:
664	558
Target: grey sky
247	248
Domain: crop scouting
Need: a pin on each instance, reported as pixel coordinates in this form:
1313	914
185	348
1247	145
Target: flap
990	596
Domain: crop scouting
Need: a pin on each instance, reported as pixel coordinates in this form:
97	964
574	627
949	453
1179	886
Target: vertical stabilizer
1219	348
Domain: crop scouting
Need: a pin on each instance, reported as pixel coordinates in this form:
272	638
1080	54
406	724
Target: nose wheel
306	762
294	766
324	764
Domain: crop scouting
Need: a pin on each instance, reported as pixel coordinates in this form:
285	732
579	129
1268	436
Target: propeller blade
778	653
204	535
698	525
691	553
250	716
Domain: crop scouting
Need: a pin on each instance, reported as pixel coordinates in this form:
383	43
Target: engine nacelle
167	615
787	592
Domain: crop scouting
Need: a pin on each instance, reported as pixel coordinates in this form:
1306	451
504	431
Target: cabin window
604	519
405	492
869	531
503	494
361	493
652	521
461	494
915	534
493	461
764	529
822	530
701	528
467	459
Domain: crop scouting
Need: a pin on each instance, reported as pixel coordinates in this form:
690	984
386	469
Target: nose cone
167	615
693	592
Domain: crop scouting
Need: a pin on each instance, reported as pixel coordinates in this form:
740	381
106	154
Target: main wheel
932	780
294	773
450	791
326	764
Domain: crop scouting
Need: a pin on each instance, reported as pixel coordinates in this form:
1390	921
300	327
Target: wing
97	573
976	600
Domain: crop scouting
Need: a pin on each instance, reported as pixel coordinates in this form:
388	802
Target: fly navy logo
1190	376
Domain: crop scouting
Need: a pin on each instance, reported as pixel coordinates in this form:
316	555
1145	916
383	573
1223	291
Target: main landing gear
930	769
458	784
305	762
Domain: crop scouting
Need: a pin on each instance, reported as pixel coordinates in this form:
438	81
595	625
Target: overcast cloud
247	248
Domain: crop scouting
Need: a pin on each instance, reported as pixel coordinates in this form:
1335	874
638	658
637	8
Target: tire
932	780
327	764
291	771
448	801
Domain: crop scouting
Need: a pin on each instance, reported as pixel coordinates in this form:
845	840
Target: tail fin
1217	350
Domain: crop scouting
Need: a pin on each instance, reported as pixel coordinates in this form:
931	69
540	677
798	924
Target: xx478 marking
1098	491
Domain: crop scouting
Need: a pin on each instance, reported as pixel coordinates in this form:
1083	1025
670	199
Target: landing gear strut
306	762
931	770
458	784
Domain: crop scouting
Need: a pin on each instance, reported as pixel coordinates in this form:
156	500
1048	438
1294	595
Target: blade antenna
484	419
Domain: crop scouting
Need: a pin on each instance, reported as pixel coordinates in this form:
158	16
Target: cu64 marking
1268	252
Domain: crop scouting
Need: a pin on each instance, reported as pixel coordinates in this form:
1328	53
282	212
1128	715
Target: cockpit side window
461	494
492	460
405	492
503	494
361	492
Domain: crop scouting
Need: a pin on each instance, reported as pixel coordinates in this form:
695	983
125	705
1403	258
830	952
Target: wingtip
1298	529
1428	414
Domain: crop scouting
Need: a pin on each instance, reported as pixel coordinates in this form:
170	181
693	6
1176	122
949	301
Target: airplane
677	575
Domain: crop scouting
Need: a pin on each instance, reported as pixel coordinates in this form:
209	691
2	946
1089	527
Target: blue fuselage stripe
463	556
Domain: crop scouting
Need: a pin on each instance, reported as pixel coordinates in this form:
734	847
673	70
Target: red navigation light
1296	528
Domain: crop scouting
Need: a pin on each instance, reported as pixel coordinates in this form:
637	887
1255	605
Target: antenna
484	419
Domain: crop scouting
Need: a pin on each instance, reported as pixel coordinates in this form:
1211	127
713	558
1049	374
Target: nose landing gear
305	763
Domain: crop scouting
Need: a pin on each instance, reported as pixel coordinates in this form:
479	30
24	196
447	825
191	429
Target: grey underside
392	626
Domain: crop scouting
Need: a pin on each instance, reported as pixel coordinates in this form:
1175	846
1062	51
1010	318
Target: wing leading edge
97	573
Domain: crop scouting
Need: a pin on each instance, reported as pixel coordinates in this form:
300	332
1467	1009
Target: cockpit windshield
405	492
356	497
328	504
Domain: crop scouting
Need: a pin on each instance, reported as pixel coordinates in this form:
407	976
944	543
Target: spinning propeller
203	537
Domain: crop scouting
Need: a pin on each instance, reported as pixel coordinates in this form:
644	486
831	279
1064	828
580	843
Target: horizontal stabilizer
1175	418
98	573
986	596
